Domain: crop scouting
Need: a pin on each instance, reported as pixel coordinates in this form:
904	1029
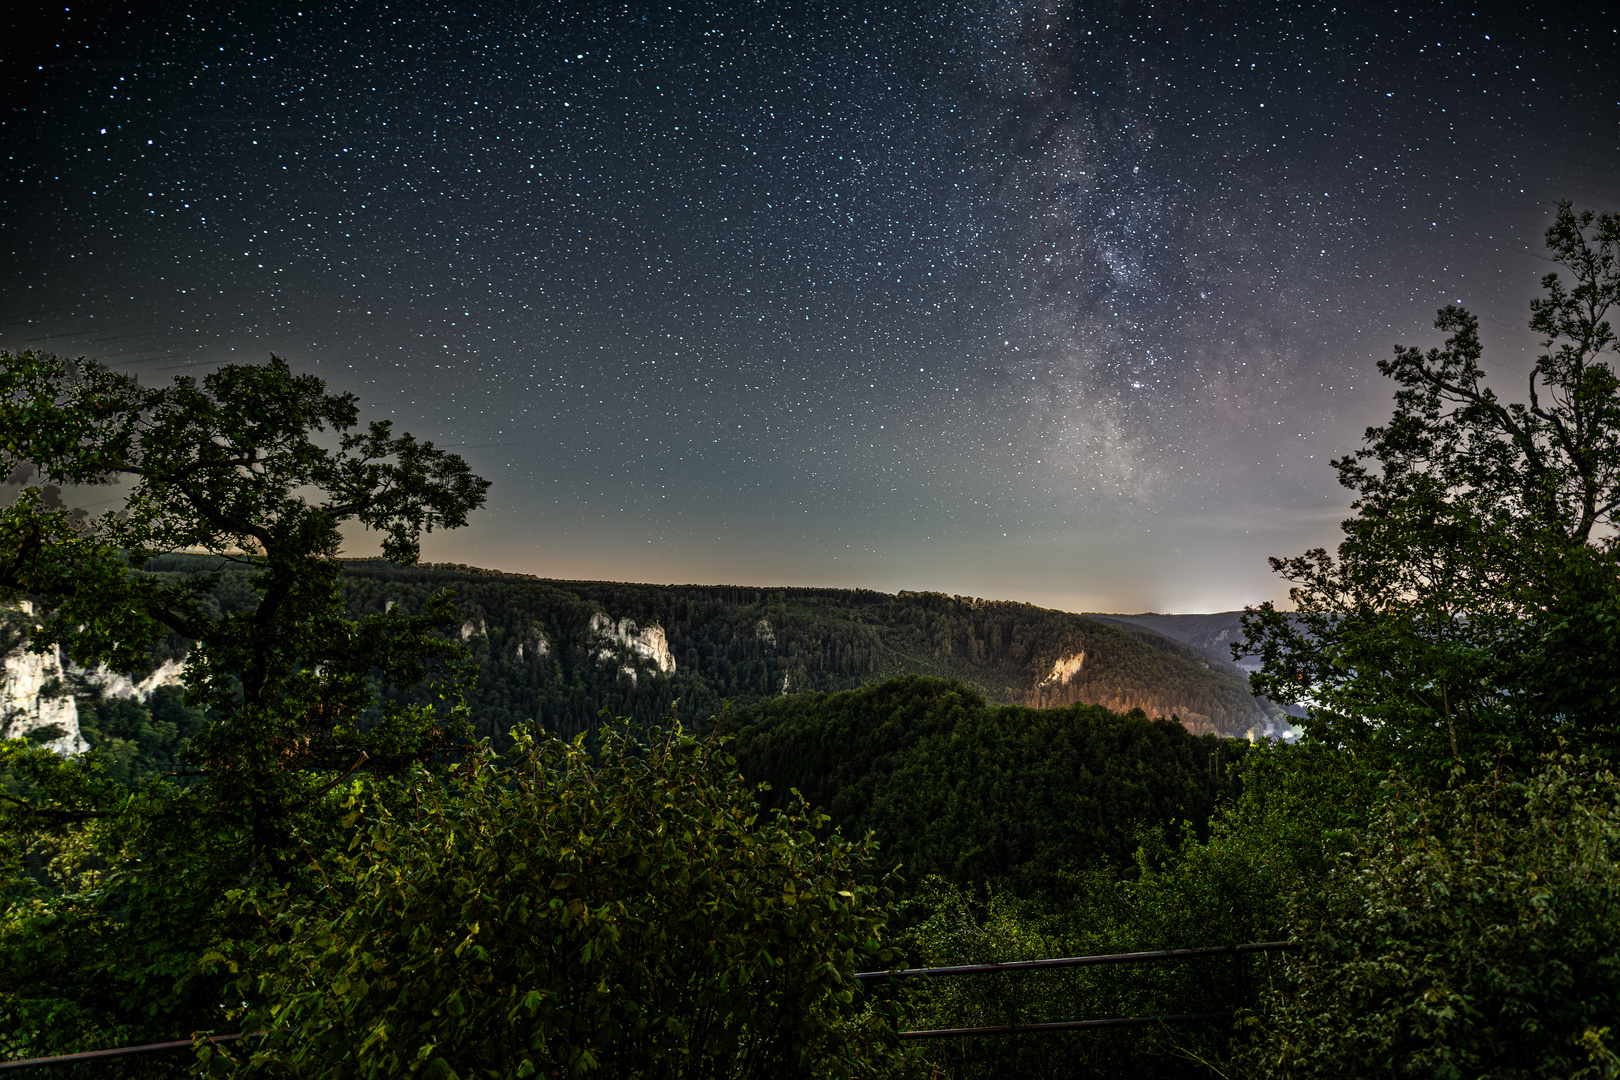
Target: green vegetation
138	740
321	795
1015	797
539	661
1461	646
1471	609
375	851
625	913
1443	845
742	646
1472	930
1281	814
112	891
231	466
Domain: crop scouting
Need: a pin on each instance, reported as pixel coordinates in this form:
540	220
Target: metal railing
1160	956
117	1052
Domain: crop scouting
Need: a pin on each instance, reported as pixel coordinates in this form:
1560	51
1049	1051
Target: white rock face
115	685
536	647
646	645
25	705
1066	668
35	692
763	631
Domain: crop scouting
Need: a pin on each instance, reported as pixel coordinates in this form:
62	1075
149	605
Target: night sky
1067	303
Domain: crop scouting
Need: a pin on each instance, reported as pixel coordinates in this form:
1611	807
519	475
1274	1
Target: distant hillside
1212	634
1212	637
560	652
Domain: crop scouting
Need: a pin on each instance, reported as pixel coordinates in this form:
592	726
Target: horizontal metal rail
1160	956
1066	1025
121	1051
1076	961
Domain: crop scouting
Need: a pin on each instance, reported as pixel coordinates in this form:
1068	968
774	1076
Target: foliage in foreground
234	465
623	913
1470	931
1461	927
1272	843
111	876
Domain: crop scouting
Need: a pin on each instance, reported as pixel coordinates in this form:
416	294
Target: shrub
626	913
1473	931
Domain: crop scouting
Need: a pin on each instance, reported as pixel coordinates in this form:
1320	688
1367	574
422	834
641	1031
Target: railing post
1242	982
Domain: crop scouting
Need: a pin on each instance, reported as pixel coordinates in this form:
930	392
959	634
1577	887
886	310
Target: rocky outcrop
115	685
1066	684
766	635
615	641
36	689
34	695
1070	683
534	647
1064	669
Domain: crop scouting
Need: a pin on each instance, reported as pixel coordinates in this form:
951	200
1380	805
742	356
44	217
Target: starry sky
1061	302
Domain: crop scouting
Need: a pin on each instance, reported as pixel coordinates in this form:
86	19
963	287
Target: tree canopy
1472	606
977	792
235	465
261	467
622	912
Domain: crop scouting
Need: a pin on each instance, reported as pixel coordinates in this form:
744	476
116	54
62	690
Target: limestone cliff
623	639
1064	669
536	646
1069	684
36	689
34	694
115	685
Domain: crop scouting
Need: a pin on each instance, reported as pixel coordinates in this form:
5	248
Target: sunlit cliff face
643	646
1064	669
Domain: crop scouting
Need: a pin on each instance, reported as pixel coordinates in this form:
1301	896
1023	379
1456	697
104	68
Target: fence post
1242	981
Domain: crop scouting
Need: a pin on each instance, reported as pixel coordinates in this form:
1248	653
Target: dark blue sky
1070	303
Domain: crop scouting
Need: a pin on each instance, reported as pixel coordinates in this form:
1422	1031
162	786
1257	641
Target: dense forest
541	657
977	792
540	660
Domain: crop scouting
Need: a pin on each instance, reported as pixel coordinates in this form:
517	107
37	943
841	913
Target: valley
561	652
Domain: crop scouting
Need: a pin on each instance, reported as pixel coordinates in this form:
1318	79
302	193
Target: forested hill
975	792
1206	637
562	651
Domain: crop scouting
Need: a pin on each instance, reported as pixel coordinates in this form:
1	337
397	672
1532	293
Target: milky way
1067	302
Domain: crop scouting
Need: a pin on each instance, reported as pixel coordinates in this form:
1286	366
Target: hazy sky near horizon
1062	302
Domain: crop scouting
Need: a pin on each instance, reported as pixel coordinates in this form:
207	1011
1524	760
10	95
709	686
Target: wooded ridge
560	652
